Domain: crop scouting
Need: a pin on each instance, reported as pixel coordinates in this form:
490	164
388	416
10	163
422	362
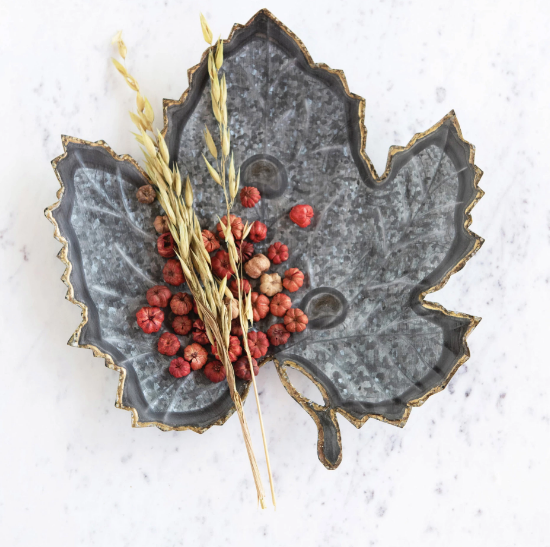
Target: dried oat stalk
212	295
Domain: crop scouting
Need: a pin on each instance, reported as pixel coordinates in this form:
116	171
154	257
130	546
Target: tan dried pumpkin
271	284
257	265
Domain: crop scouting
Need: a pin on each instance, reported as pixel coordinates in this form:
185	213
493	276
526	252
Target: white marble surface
472	465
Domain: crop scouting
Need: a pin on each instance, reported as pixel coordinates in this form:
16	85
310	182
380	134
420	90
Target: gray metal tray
375	347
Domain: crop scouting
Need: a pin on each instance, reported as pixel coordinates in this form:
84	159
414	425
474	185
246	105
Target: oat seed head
162	147
149	144
226	142
206	31
210	142
117	37
122	49
216	109
188	193
140	102
148	111
219	54
213	173
177	181
216	88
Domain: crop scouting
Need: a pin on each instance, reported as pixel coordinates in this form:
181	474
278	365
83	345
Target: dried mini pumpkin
250	196
260	306
270	284
182	325
165	245
179	367
242	368
258	232
196	355
295	320
245	287
146	194
221	265
245	250
237	227
277	253
236	329
279	305
172	273
168	344
161	224
215	371
211	242
199	333
235	350
293	280
278	334
159	295
301	215
258	344
181	303
150	319
234	307
257	265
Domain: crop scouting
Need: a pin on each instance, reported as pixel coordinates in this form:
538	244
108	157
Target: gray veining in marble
471	466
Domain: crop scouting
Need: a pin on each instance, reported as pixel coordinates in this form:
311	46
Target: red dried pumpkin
159	296
165	245
221	265
260	305
235	350
181	303
211	242
182	325
242	368
295	320
199	333
179	367
196	355
150	319
245	287
250	196
215	371
245	250
277	253
236	329
168	344
258	344
301	215
279	305
293	280
237	227
172	273
258	232
278	334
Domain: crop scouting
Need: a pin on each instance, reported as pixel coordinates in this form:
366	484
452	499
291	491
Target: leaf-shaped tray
377	246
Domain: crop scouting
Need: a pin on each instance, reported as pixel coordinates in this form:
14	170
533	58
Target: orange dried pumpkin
260	306
237	227
279	305
293	280
295	320
258	344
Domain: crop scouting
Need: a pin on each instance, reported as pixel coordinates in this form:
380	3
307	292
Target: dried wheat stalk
212	295
219	108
